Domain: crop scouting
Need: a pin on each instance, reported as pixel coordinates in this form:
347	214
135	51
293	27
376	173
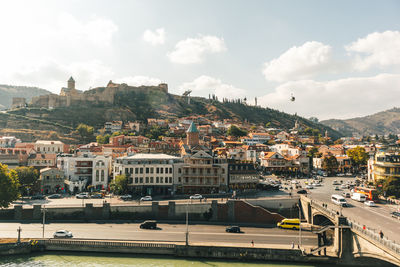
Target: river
119	260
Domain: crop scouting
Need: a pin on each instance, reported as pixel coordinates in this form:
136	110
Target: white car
196	196
62	234
146	198
309	187
294	182
370	203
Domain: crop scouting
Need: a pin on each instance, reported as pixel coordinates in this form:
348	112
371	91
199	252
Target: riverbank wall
232	211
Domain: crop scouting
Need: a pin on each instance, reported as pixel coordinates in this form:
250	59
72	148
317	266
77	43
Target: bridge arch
321	219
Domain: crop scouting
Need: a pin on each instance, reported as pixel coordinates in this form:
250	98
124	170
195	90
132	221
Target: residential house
51	181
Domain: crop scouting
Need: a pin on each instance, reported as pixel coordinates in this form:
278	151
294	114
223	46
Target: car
96	196
54	196
335	183
62	234
340	174
126	197
337	188
344	186
82	195
302	191
196	196
346	194
146	198
232	229
38	197
370	203
148	225
395	214
294	182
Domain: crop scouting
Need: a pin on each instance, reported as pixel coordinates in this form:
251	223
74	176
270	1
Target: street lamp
44	219
299	225
187	223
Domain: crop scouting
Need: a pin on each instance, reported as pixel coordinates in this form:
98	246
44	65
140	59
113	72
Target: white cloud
205	85
156	37
193	50
344	98
139	80
376	49
301	62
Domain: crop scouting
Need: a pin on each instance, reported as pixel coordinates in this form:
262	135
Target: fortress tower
71	83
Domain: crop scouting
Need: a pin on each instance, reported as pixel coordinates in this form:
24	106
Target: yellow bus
289	224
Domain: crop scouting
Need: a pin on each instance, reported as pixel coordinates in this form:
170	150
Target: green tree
391	186
27	177
9	186
85	132
330	164
120	184
236	131
358	156
103	139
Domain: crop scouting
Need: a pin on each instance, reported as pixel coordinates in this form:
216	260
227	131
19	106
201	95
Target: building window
161	180
208	171
102	175
147	180
170	180
151	180
157	170
136	180
179	180
141	170
179	170
151	170
147	170
170	170
130	180
136	170
193	170
141	180
162	170
157	180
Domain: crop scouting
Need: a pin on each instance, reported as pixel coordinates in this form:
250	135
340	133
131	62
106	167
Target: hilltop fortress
70	96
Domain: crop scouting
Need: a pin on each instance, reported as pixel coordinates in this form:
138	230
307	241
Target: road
376	218
198	234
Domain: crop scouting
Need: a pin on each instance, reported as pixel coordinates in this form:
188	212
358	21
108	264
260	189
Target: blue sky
339	58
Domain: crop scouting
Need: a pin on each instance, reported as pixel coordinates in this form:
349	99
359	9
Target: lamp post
187	223
44	219
19	234
299	225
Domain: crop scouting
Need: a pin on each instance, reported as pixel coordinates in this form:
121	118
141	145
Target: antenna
187	95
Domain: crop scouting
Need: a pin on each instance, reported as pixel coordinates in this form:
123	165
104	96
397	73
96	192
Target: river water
119	260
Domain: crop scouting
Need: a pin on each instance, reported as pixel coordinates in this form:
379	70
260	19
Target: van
148	225
359	197
289	224
339	200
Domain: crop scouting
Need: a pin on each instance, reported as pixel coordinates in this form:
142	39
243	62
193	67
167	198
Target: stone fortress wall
70	96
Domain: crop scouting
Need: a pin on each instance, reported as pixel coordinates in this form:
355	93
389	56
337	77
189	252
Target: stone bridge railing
375	237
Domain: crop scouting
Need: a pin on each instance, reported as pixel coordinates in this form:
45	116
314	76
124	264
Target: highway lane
376	218
207	234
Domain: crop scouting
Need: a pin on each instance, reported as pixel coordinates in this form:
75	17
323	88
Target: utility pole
187	223
299	225
44	220
19	234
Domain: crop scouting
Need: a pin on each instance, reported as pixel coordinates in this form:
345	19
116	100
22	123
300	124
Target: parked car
148	225
337	188
82	195
126	197
55	196
196	196
302	191
309	187
232	229
395	214
96	196
38	197
62	234
370	203
146	198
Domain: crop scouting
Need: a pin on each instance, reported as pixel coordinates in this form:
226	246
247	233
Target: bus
370	193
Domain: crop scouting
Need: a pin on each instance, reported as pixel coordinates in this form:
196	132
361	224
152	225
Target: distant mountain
380	123
134	105
7	92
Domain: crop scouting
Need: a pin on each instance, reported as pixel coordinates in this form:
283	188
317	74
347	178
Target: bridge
351	240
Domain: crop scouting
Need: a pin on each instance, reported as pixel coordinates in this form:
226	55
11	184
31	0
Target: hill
137	105
7	92
380	123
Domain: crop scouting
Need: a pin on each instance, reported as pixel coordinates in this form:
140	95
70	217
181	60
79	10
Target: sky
339	59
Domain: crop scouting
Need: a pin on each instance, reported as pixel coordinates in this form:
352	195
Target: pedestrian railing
92	243
387	243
